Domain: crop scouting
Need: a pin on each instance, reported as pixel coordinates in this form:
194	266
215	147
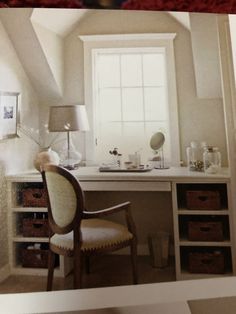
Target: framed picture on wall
9	114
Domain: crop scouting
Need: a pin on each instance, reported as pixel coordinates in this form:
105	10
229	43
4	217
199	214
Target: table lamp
67	119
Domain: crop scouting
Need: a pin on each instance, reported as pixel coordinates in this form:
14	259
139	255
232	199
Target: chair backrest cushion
62	198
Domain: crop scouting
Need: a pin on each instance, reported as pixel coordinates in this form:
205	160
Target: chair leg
133	250
77	269
87	265
51	264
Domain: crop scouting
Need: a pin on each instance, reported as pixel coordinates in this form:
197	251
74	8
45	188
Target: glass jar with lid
212	159
194	156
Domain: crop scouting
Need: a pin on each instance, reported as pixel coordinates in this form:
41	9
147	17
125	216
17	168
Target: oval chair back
65	199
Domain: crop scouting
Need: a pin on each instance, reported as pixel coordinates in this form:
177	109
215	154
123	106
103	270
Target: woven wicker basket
207	263
35	227
203	200
34	258
35	197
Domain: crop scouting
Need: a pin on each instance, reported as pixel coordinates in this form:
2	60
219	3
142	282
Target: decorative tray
110	169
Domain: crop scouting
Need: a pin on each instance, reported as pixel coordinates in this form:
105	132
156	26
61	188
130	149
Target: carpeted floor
110	270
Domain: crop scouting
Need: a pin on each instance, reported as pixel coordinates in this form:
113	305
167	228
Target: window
130	92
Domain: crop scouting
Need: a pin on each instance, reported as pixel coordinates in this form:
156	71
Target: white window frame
164	40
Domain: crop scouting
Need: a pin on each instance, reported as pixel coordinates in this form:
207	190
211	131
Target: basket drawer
205	231
35	197
35	227
34	258
205	200
207	263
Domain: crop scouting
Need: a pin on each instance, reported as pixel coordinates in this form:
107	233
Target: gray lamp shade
68	118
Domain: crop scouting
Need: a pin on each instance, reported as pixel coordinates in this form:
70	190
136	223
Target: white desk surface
171	174
158	298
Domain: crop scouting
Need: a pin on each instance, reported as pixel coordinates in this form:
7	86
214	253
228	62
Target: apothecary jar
212	159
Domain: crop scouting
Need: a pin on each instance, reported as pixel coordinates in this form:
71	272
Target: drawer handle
205	229
37	195
37	225
203	198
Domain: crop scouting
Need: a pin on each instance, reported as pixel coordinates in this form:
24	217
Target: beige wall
199	119
15	154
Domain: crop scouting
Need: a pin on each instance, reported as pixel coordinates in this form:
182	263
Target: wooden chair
76	232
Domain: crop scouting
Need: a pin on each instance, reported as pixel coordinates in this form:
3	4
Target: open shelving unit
185	245
17	241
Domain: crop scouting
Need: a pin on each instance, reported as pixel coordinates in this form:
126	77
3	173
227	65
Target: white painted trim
229	104
142	36
132	50
4	272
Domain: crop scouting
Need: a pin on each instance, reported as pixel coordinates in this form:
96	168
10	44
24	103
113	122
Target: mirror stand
162	161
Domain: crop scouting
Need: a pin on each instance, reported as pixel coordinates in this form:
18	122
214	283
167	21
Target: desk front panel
164	186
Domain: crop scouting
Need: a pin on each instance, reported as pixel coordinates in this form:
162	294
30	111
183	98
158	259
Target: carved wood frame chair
75	232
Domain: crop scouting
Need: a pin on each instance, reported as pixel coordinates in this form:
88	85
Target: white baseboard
4	272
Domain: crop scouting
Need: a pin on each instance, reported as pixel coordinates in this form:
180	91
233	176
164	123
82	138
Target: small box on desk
203	200
32	227
34	197
205	231
207	263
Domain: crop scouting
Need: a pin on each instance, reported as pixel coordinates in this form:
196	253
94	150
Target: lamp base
70	158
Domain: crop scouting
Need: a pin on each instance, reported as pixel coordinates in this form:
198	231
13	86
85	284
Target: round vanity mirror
157	141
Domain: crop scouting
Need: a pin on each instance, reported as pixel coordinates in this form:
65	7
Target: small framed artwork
9	114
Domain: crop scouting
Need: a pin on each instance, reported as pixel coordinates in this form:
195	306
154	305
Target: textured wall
15	154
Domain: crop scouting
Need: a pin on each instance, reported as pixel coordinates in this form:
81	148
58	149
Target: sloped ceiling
38	38
181	17
29	50
62	21
59	21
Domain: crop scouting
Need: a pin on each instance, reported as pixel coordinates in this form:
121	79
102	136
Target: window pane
155	103
131	70
110	104
154	69
109	70
109	137
132	104
134	135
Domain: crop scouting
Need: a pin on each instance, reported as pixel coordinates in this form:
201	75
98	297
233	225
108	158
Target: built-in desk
167	189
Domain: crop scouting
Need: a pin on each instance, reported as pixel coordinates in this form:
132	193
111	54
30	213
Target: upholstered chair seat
78	233
95	234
